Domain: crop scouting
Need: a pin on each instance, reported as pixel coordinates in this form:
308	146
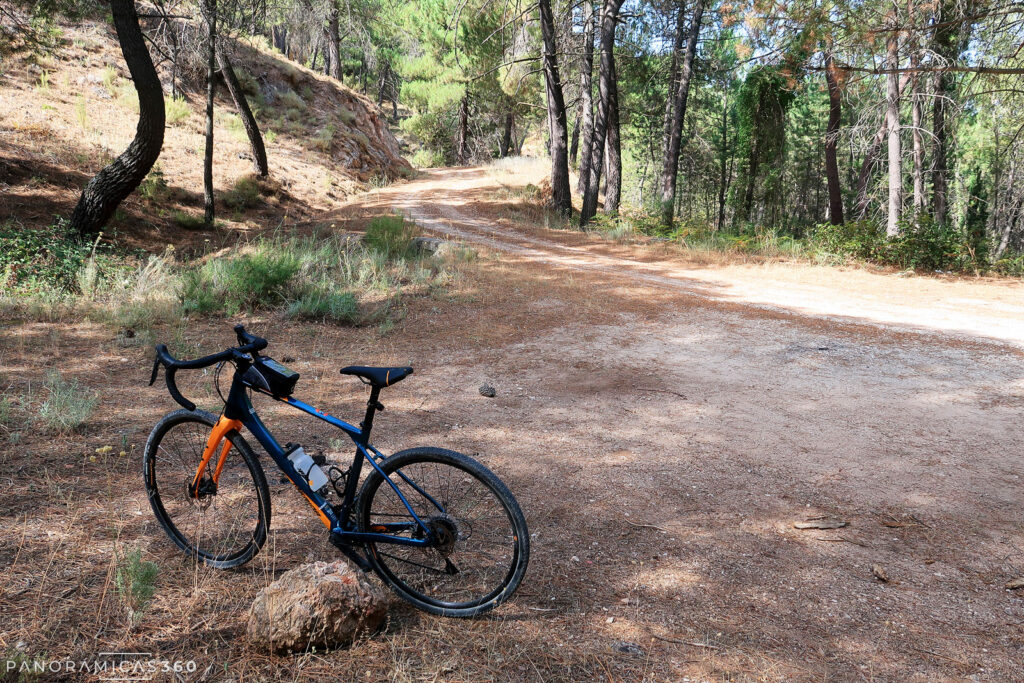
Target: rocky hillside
64	115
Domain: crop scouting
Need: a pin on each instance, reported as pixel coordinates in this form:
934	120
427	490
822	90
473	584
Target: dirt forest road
665	424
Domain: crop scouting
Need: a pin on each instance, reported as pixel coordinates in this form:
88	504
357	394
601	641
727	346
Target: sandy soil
663	425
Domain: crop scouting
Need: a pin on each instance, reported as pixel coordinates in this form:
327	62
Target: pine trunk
252	129
463	141
609	18
561	196
587	95
210	17
613	151
333	42
892	100
835	115
115	182
670	167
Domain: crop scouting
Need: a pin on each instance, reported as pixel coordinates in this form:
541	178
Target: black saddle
378	377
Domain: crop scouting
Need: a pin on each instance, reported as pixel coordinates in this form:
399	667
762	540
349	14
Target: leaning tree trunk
835	115
561	196
252	129
115	182
613	151
892	117
587	95
609	17
574	140
671	162
210	16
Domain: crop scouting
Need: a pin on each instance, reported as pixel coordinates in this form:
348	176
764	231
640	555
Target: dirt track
664	452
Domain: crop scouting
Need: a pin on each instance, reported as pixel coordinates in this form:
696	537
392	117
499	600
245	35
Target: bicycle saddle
378	377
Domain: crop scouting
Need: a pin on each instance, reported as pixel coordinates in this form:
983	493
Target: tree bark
722	177
252	129
892	117
673	76
613	150
115	182
671	160
867	168
561	196
587	95
916	116
835	115
943	86
209	10
506	137
574	139
333	43
463	141
609	17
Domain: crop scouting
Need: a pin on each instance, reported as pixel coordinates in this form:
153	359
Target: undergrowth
53	275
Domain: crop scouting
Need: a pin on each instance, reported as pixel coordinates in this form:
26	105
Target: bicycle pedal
319	459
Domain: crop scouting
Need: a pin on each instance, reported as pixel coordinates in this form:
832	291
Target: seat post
372	406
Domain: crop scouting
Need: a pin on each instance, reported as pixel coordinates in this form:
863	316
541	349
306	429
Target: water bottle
305	466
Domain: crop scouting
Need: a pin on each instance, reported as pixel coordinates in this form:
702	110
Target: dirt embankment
64	116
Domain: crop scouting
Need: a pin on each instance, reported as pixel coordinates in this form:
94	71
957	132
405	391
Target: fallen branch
663	391
646	526
685	642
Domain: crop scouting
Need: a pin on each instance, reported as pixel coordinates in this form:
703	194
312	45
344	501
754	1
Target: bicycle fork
217	435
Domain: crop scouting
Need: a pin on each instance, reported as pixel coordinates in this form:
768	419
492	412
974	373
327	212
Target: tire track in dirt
432	204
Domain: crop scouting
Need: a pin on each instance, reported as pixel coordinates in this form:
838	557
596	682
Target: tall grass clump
261	278
391	236
176	110
69	404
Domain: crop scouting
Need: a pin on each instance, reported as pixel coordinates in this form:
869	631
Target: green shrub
857	239
244	195
188	221
69	404
81	114
176	110
427	158
925	244
154	185
42	258
391	236
135	580
242	283
324	138
317	304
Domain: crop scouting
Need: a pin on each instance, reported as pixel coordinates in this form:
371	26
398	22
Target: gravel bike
436	526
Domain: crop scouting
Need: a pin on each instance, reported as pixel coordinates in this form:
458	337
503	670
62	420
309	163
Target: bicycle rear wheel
227	524
483	546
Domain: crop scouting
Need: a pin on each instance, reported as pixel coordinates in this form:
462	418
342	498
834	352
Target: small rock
288	359
427	245
487	390
628	648
1015	584
610	620
322	605
879	572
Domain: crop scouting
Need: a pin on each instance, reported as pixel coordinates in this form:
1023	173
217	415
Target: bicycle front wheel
482	546
227	523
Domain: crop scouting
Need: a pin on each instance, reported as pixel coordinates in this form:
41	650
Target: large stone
323	605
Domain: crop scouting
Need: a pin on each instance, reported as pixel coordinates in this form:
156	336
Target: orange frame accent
217	434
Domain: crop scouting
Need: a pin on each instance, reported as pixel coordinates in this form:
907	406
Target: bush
923	243
391	236
176	110
69	405
427	158
244	195
188	221
340	307
857	239
43	258
243	283
135	581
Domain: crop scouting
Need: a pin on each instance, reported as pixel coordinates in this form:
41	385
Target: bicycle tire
177	476
512	546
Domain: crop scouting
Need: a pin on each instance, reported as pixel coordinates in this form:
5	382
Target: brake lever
156	369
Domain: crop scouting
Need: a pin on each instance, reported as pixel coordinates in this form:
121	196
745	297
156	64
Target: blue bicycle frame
342	529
